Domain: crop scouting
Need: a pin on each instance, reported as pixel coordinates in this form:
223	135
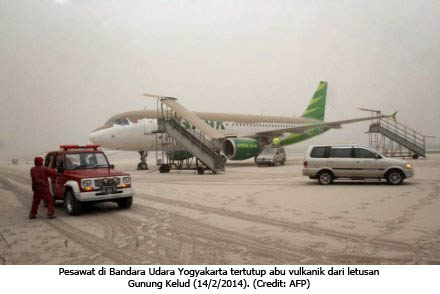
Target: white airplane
244	136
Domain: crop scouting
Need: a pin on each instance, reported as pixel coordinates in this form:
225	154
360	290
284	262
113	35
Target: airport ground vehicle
84	176
271	156
327	163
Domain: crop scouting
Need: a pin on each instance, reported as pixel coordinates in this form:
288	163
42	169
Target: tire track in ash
118	255
262	251
378	243
108	230
410	212
115	223
157	234
213	235
109	227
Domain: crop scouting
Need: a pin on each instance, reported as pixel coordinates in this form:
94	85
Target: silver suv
327	163
271	156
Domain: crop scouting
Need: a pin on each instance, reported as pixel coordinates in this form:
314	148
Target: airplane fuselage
134	131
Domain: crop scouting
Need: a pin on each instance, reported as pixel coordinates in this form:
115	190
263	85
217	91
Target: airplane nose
95	137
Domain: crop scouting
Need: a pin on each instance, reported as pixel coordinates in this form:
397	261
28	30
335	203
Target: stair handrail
403	131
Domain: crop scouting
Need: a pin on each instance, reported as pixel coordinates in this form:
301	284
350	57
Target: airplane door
144	125
149	125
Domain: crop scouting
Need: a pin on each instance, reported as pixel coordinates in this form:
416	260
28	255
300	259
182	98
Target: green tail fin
316	108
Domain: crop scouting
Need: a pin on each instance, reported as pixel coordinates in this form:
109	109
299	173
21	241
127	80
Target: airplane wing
334	125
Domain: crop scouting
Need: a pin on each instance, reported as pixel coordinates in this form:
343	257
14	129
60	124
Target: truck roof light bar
69	147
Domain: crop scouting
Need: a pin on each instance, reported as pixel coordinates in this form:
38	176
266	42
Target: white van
327	163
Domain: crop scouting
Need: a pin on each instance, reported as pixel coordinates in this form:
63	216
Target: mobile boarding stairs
180	129
395	139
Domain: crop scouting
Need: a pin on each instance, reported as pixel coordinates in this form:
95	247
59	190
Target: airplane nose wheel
142	166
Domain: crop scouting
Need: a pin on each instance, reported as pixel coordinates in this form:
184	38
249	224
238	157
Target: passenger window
340	152
320	152
363	153
48	161
59	162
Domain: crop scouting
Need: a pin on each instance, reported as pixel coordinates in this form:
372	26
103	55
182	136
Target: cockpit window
119	121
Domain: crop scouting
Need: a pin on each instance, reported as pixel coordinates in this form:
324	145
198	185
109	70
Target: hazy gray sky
68	65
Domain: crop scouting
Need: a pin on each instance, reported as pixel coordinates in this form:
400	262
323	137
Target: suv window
341	152
363	153
320	152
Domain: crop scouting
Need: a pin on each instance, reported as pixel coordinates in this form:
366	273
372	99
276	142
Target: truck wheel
72	206
283	161
394	177
275	162
325	177
200	170
125	202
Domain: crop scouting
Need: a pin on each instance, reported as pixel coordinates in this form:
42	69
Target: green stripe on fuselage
293	138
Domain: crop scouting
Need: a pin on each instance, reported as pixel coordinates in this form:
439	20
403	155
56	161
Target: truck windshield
85	160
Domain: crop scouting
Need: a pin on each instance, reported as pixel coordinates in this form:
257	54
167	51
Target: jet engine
240	148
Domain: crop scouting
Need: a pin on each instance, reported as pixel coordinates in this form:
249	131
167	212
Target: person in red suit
40	187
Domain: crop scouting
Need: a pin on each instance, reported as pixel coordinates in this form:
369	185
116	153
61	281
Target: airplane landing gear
143	164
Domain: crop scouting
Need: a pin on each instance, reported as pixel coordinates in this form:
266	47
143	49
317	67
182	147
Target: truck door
60	178
50	163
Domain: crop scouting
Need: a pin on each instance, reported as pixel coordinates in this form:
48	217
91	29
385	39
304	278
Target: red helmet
38	161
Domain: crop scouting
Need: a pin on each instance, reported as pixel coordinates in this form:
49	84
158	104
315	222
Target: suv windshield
86	160
269	151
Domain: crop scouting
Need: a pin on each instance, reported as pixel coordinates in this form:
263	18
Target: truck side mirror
377	156
112	166
60	169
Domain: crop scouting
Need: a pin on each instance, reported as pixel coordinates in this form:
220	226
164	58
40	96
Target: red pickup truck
84	175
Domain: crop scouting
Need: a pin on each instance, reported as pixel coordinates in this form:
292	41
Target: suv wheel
325	177
283	161
125	202
163	169
394	177
72	206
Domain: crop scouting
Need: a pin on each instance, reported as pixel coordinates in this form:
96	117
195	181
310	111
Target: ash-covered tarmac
248	215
